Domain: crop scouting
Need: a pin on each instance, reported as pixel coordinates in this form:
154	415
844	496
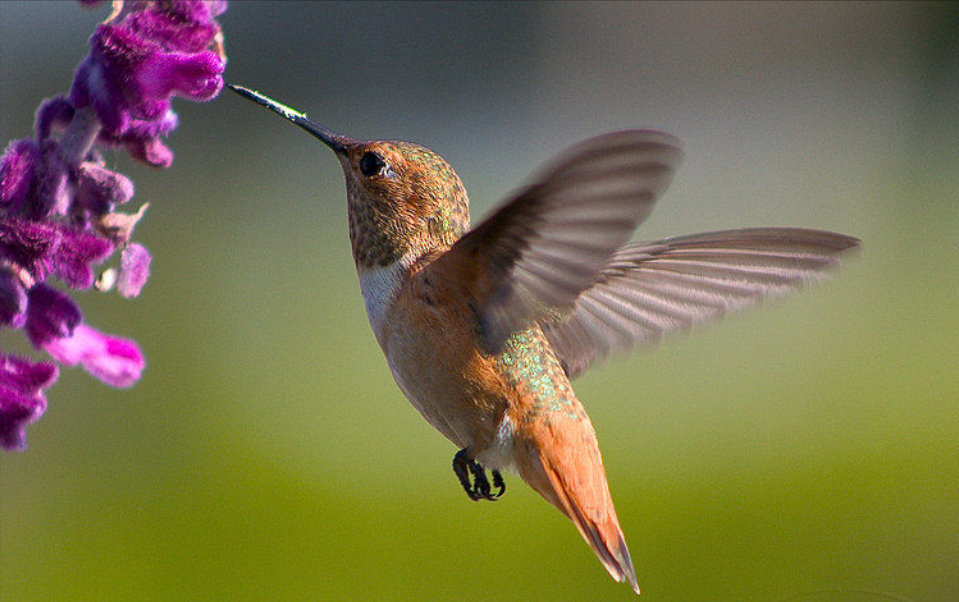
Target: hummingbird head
404	199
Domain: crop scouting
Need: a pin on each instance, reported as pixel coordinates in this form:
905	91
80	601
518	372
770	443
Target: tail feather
598	525
573	479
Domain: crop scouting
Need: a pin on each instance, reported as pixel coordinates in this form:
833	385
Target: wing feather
648	290
551	240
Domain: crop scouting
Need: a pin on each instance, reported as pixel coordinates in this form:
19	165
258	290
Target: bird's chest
380	287
430	348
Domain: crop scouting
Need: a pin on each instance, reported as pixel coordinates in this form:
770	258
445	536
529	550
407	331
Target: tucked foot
499	483
479	488
480	483
461	468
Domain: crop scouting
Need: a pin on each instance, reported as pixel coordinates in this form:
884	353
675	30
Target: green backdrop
805	452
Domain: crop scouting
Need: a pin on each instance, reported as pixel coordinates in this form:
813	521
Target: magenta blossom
113	360
58	200
21	397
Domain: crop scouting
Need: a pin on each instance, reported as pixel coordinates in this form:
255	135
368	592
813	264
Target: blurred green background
809	451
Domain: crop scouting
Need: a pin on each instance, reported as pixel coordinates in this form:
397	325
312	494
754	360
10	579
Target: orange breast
429	342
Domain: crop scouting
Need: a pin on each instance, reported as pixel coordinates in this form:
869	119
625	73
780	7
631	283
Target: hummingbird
484	328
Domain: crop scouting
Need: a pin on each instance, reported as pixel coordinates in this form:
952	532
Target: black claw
499	483
461	466
480	484
480	488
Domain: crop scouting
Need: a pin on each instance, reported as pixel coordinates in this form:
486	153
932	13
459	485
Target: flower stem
79	137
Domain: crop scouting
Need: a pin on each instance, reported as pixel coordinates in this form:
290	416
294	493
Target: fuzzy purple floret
21	397
100	190
136	66
18	169
13	300
114	360
51	315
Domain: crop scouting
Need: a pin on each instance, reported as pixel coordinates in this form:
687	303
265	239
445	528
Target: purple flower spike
58	200
21	397
115	361
134	270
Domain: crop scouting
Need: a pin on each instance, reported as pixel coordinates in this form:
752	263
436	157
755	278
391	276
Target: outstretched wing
551	240
647	290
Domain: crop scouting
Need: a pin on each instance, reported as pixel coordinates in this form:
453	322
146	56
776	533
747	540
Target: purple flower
13	300
113	360
41	248
18	173
99	190
25	246
138	62
58	200
51	315
33	179
21	397
77	252
142	140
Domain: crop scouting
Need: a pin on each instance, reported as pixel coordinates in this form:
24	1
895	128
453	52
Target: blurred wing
551	240
647	290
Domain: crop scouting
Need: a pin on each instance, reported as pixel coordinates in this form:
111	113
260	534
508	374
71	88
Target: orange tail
572	478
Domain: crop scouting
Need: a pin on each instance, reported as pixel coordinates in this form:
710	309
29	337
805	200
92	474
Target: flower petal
77	252
114	360
134	270
21	397
186	26
99	189
28	244
50	315
18	173
195	76
141	139
13	299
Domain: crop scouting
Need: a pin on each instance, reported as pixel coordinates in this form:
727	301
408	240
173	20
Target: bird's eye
371	164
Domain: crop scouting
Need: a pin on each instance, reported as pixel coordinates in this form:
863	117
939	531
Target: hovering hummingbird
484	328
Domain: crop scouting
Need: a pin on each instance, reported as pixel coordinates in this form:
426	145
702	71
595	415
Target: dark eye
371	164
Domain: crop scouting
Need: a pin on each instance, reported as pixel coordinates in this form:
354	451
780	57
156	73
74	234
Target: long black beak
326	136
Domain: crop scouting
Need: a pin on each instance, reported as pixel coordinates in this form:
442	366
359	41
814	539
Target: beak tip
242	90
333	140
